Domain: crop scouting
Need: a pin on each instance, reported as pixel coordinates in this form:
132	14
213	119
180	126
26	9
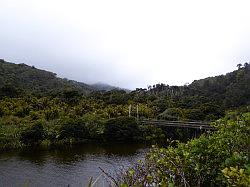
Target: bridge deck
181	124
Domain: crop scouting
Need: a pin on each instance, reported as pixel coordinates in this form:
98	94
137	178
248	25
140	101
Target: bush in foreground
221	159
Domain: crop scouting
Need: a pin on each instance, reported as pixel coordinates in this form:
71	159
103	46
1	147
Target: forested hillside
20	80
230	90
205	99
37	107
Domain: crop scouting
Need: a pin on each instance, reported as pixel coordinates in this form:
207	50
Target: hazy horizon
108	84
128	44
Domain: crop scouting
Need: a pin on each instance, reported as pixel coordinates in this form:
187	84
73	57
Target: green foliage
9	134
95	126
33	134
21	80
71	96
64	120
205	99
150	133
9	91
236	176
195	114
73	129
121	129
71	113
217	160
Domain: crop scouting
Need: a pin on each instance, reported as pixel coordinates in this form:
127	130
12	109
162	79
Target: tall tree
239	65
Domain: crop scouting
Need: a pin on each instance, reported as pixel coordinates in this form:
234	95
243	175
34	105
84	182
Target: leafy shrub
121	129
21	111
51	114
195	114
73	129
237	176
33	134
95	126
9	136
151	133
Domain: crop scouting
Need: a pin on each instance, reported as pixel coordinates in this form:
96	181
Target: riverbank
73	131
70	131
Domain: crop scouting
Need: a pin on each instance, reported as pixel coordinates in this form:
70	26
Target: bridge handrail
177	122
185	124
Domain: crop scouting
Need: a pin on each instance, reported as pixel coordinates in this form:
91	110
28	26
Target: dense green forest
18	80
36	107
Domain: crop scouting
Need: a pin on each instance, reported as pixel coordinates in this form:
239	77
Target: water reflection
65	165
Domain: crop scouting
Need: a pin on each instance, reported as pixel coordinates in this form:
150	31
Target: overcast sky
129	43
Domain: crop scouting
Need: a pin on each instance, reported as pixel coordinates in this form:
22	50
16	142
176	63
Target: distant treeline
38	107
204	99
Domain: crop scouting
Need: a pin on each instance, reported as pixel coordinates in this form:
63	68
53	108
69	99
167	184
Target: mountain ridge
22	77
231	89
25	78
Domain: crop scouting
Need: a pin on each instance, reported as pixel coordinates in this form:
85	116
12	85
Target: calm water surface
71	166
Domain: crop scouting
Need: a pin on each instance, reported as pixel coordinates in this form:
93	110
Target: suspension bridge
179	124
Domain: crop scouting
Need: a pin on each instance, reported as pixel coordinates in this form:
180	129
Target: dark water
71	166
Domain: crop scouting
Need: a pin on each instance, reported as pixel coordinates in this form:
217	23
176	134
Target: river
67	166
